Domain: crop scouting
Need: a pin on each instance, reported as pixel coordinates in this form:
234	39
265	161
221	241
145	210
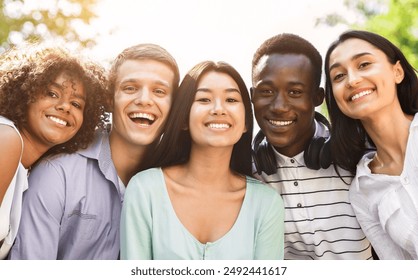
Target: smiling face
284	96
142	100
57	115
363	81
217	115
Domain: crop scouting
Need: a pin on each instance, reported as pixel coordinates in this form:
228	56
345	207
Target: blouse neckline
183	227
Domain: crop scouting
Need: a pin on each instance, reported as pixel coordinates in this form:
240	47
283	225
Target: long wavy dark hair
175	145
349	140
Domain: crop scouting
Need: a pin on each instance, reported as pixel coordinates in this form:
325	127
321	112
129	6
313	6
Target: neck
389	132
126	158
32	151
210	166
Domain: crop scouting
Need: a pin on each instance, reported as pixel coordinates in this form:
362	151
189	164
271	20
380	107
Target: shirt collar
100	150
414	123
95	148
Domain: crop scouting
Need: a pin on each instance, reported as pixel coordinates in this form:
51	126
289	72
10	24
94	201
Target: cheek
240	112
305	104
31	110
338	92
165	105
261	102
260	106
197	110
80	118
36	110
120	101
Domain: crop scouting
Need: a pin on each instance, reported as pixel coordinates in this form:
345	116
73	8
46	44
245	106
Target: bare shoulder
10	151
10	140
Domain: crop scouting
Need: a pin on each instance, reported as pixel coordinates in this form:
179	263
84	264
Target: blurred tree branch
42	20
397	20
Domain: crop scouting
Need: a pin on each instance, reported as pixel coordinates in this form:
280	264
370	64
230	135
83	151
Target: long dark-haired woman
202	203
372	97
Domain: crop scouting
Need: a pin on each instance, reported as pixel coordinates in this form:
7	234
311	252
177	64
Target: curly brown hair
26	73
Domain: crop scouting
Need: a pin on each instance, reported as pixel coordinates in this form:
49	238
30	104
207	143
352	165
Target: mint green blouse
150	228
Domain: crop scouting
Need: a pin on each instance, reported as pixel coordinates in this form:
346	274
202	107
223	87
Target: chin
143	142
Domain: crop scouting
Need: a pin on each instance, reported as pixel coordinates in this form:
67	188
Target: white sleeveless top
11	206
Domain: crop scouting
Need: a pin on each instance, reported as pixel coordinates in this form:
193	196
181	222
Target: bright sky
197	30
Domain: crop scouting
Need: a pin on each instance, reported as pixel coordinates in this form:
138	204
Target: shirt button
405	180
292	160
295	184
299	205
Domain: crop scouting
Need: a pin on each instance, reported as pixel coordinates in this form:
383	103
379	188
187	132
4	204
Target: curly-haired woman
50	102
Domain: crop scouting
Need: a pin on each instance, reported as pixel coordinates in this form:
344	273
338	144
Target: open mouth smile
280	123
58	120
361	94
218	125
145	119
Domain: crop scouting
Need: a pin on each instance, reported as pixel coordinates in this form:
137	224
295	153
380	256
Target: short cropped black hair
287	43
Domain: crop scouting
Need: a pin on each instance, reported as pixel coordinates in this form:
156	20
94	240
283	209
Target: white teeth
360	94
142	115
57	120
280	123
219	125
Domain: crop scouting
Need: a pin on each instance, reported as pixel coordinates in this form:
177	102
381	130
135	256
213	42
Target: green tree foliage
41	20
397	20
400	25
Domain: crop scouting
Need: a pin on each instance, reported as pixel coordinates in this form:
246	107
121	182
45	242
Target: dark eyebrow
296	83
233	90
61	87
270	83
203	89
335	65
227	90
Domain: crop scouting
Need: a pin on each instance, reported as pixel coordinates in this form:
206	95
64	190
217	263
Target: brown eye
129	89
77	105
203	100
264	92
295	92
338	77
364	64
52	94
160	92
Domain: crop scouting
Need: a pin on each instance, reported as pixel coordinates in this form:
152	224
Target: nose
144	97
63	106
218	107
353	78
280	103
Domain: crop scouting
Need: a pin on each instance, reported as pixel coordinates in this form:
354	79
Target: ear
319	96
399	72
